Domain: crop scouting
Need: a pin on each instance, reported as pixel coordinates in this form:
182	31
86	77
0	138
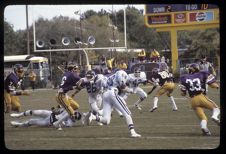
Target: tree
9	39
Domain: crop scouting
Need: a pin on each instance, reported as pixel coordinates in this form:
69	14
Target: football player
134	80
11	83
194	84
204	65
68	82
44	118
164	79
94	84
112	99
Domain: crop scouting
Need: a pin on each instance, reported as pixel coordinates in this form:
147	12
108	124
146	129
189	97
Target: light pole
113	28
28	40
88	67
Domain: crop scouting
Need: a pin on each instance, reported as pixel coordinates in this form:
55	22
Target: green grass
162	129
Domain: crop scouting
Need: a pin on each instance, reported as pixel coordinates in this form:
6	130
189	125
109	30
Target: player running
112	99
194	84
68	82
94	84
164	79
134	80
44	118
11	83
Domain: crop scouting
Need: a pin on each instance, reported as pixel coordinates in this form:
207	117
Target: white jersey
206	66
111	81
134	85
135	81
94	87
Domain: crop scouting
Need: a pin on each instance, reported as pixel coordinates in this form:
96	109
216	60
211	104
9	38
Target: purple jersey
196	83
69	80
12	82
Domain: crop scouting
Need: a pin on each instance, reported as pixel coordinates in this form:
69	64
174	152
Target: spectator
103	63
142	55
206	66
155	56
122	65
32	77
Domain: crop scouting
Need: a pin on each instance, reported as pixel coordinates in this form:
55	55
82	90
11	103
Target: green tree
9	39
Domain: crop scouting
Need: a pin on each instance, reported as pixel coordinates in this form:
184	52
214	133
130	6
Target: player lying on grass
195	83
45	118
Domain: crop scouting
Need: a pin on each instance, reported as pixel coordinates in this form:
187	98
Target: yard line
146	126
126	138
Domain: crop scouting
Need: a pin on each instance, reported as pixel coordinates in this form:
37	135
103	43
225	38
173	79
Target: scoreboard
172	15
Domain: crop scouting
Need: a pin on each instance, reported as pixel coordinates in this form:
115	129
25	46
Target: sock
173	103
27	113
155	102
216	112
139	101
203	124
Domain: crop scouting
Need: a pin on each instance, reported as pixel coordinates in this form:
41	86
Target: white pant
136	90
43	118
95	104
111	99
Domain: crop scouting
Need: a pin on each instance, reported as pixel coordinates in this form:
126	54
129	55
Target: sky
16	14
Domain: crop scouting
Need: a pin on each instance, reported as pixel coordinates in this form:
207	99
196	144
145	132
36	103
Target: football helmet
72	67
18	70
90	75
121	78
193	68
137	72
155	71
163	67
78	115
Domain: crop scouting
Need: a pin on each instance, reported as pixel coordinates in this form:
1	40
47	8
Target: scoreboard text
163	15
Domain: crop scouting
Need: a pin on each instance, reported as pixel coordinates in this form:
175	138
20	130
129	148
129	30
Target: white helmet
121	78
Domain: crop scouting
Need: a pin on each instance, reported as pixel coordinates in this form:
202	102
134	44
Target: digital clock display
164	8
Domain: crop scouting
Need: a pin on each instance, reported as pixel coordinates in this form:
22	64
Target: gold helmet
72	67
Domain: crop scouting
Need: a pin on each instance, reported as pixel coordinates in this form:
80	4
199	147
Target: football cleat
99	123
206	132
153	109
135	135
216	120
85	119
89	119
138	107
59	128
15	123
175	109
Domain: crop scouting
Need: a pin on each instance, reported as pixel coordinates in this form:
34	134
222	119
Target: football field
162	129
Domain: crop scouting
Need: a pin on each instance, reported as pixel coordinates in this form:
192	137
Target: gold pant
12	102
199	102
167	88
67	102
